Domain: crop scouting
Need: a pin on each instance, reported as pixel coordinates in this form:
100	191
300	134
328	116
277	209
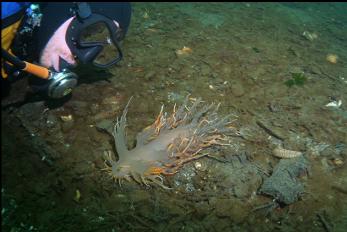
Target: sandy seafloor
241	55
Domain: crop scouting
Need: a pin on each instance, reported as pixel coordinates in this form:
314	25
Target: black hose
13	59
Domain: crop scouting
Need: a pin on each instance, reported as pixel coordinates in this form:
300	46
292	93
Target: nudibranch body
171	141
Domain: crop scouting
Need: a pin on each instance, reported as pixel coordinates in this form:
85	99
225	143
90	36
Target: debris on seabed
77	196
335	104
184	51
309	36
66	118
338	162
332	58
286	154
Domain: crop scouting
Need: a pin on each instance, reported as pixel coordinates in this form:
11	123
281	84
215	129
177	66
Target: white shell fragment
310	36
198	165
66	118
286	154
335	104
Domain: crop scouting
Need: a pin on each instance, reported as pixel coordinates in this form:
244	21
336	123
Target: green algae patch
298	79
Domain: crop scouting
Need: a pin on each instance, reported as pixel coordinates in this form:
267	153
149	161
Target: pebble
296	70
149	76
200	166
315	70
205	70
67	126
237	90
51	121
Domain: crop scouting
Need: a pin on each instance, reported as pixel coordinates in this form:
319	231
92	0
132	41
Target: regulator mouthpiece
61	83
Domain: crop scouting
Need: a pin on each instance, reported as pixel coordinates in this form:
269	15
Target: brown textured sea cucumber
286	154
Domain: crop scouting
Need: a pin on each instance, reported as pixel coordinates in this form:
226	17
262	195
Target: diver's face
56	53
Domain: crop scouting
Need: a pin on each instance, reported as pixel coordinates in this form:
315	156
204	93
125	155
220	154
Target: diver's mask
94	38
91	37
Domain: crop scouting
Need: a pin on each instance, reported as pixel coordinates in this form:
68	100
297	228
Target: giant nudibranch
171	141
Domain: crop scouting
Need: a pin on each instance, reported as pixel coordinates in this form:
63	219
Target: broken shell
199	166
184	51
335	104
338	162
309	36
332	58
66	118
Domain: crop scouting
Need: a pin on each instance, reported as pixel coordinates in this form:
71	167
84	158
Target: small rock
223	207
309	36
105	125
227	70
326	165
149	76
173	206
237	90
329	152
51	121
201	208
140	196
94	108
200	166
316	70
231	208
284	185
104	115
79	108
296	70
67	126
77	105
111	100
239	212
205	70
294	51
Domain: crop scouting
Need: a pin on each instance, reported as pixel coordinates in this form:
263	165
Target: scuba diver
58	37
